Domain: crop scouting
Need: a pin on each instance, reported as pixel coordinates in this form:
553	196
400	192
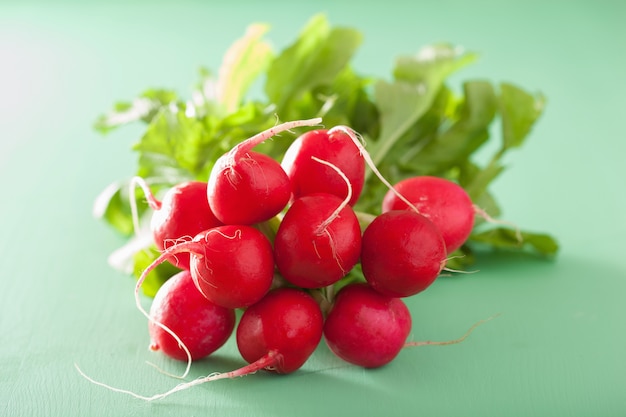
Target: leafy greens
413	124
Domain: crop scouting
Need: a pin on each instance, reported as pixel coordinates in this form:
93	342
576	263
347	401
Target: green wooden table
559	346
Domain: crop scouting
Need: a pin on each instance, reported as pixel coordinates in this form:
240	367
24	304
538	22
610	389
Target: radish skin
311	255
197	248
183	212
442	201
309	177
247	187
402	253
234	265
366	328
277	334
319	239
282	330
202	325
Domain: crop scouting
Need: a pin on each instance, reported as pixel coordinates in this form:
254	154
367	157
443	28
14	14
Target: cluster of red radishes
274	238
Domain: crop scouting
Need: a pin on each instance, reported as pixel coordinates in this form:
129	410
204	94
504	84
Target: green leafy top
413	123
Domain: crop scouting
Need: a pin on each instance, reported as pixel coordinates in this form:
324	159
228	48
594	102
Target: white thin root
482	213
451	342
268	361
180	387
459	271
182	247
322	227
357	140
152	201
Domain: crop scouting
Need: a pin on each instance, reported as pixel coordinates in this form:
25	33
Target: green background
559	346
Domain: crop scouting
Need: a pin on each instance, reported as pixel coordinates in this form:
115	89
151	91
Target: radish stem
245	146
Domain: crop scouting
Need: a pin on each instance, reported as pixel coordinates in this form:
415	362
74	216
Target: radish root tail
265	362
322	227
358	142
152	201
451	342
182	247
482	213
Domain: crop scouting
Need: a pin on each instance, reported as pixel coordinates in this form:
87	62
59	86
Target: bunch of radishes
276	239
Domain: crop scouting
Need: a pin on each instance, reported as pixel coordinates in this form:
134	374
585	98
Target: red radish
366	328
232	266
202	326
319	239
442	201
311	256
247	266
247	187
280	332
402	253
308	177
250	268
182	213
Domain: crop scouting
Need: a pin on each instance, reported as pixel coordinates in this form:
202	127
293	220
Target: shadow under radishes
277	334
